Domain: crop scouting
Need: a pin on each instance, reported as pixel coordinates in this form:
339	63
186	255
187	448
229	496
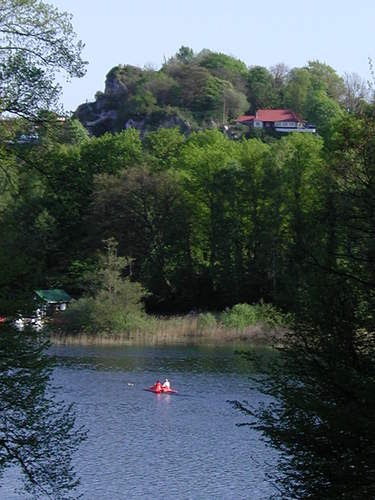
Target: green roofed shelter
53	296
54	299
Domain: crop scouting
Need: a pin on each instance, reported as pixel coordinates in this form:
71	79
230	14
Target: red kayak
162	390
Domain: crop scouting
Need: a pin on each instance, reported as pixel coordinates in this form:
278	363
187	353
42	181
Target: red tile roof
277	115
245	118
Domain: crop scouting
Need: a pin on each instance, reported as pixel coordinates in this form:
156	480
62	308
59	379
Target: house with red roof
280	120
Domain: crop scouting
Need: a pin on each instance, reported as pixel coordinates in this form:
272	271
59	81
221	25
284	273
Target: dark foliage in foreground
322	418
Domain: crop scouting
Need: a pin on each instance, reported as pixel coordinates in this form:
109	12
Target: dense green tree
297	89
162	86
203	157
315	92
36	42
324	77
26	224
261	89
75	168
354	170
224	67
53	131
211	85
260	203
303	190
234	103
141	104
321	420
111	153
39	215
323	112
185	54
239	218
164	146
112	303
200	91
37	433
145	212
321	417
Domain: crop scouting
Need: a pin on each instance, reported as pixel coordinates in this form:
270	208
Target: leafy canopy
36	43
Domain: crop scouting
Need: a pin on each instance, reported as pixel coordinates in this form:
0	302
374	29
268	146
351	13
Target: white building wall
286	124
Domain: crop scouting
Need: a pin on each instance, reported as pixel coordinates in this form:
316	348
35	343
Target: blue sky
145	32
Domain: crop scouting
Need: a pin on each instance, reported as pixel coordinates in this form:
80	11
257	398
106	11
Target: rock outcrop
115	109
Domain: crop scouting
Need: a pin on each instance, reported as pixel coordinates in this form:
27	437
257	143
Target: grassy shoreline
174	331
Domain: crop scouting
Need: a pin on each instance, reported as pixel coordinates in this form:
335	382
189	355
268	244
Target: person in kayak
166	384
158	386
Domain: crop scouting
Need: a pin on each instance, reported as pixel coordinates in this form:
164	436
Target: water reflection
195	359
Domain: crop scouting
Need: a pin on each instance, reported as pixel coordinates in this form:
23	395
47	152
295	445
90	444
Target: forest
206	221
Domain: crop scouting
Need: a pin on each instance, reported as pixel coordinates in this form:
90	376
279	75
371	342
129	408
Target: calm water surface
144	445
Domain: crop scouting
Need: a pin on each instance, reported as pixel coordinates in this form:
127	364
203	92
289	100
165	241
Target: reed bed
186	330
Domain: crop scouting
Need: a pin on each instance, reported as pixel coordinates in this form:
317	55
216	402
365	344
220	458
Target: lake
145	445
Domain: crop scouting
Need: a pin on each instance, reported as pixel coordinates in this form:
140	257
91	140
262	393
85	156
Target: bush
206	321
98	316
116	303
117	316
240	316
78	317
271	316
243	315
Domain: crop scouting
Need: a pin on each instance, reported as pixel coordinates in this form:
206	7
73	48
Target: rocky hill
211	89
188	92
